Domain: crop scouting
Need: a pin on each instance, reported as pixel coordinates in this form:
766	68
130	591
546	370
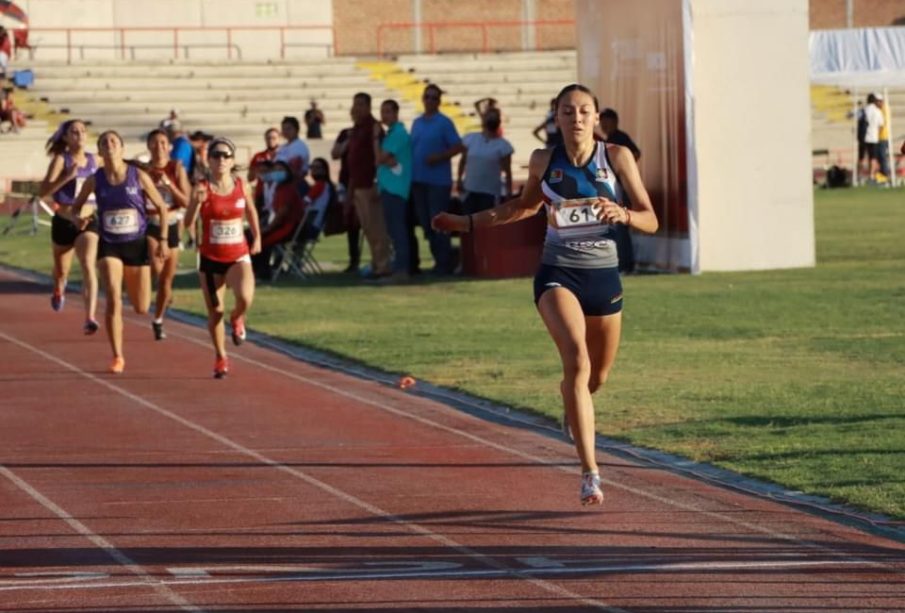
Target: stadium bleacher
241	100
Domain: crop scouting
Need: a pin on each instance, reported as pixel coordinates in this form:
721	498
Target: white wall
254	23
752	134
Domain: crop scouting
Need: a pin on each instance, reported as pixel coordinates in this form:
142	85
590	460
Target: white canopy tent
861	60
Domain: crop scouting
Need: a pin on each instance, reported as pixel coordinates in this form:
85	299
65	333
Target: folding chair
296	255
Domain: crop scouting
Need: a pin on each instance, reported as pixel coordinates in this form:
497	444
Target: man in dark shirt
609	126
314	119
350	219
362	176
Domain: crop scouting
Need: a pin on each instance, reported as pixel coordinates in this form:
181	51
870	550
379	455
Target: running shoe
90	327
221	367
118	365
159	334
57	301
238	326
590	489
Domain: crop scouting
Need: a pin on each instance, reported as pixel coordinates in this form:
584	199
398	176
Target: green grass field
793	376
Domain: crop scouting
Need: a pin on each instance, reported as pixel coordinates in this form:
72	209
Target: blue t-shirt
432	135
396	180
183	151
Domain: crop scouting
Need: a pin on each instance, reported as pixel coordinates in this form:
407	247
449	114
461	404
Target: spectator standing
294	151
201	170
874	117
485	105
435	142
608	131
861	129
552	135
353	227
486	156
182	149
883	141
362	187
6	51
394	181
165	123
314	119
271	144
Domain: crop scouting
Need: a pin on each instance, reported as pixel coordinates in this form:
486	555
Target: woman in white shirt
487	156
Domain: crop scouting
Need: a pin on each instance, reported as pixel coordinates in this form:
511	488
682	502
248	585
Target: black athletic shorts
63	232
873	151
599	290
172	233
132	253
218	268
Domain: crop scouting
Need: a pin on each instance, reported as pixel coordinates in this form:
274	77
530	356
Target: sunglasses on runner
220	155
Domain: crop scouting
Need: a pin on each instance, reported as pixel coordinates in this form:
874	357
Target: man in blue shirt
394	180
434	143
182	148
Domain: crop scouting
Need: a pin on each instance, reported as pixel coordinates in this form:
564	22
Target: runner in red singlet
223	204
172	182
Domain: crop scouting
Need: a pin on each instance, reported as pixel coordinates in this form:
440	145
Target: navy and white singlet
575	238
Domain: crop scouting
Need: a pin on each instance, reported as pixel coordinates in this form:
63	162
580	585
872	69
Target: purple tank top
120	208
66	194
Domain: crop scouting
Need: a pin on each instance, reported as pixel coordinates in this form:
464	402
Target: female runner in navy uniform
577	288
122	191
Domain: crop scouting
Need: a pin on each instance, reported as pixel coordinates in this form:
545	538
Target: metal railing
486	28
80	39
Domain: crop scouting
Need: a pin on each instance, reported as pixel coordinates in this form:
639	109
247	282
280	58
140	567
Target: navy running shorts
599	290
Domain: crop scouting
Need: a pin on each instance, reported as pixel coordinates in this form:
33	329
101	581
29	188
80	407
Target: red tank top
222	229
157	175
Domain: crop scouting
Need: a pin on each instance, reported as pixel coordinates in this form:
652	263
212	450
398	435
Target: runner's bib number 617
227	232
121	221
577	212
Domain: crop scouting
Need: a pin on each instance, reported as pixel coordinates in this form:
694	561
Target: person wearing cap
875	119
435	142
223	204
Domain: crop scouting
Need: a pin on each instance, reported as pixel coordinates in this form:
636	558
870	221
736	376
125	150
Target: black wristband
470	224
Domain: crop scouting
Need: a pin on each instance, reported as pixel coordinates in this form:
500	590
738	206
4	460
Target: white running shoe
590	489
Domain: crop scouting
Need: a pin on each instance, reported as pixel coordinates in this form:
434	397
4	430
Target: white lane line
537	459
295	575
118	556
342	495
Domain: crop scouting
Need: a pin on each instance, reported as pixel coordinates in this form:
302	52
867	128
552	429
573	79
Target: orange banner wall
631	54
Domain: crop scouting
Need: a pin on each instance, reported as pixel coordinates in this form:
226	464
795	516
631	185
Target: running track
287	487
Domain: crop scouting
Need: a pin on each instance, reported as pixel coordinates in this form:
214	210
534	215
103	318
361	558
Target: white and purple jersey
121	208
66	195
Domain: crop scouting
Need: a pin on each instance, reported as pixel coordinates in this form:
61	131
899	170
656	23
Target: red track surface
287	487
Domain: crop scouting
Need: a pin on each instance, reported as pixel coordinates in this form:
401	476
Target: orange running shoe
221	367
238	326
118	365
